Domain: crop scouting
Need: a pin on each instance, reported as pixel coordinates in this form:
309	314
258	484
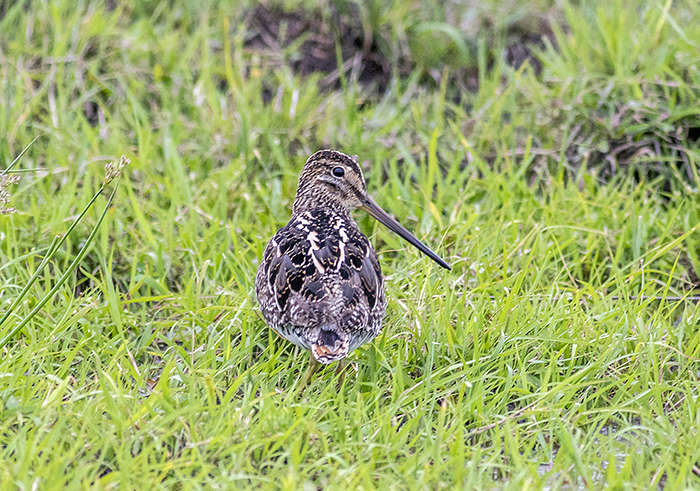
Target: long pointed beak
383	217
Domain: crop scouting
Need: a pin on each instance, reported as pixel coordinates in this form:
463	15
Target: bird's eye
338	171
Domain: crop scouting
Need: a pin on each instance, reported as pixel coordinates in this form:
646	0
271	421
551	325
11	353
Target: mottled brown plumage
319	284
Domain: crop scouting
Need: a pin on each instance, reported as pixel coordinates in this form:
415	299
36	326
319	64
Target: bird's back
320	285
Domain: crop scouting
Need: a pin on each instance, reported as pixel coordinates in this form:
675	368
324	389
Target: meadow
548	150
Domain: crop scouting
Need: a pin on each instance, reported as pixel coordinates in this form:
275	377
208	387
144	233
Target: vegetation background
548	149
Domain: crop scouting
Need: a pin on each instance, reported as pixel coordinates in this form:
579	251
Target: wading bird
319	283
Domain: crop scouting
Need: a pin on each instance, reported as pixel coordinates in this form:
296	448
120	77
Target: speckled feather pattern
319	273
319	283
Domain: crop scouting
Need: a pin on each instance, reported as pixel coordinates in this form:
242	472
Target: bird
319	283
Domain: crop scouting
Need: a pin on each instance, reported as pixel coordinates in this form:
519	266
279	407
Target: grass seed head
113	171
6	180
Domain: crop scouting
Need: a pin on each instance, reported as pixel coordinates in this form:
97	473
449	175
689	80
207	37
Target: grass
561	352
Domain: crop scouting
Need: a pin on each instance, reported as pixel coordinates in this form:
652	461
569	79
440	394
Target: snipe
319	283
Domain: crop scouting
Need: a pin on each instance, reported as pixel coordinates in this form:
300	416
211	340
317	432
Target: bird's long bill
374	209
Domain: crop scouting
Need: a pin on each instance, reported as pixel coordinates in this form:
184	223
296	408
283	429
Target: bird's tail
330	345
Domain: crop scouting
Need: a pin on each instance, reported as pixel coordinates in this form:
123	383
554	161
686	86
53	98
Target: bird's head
331	179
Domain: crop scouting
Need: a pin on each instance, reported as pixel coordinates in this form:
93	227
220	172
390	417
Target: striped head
330	178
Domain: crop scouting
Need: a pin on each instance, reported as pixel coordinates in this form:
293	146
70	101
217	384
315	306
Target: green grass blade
67	273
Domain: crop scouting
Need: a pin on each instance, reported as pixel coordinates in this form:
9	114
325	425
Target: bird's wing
301	261
319	273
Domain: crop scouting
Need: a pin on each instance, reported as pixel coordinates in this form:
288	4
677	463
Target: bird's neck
312	201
